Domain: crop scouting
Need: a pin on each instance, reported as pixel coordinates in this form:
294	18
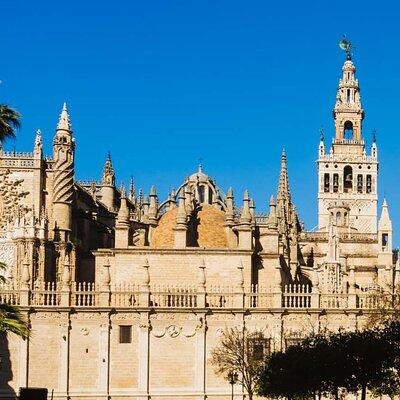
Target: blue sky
163	83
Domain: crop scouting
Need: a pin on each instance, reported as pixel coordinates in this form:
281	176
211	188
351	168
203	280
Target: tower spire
63	176
283	186
348	112
108	172
64	121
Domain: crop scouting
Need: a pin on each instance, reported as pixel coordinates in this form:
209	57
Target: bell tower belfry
347	175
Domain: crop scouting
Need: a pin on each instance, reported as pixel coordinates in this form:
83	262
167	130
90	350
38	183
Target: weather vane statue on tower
346	45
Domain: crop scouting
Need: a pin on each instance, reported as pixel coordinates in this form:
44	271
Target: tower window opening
335	183
348	96
359	183
210	196
348	179
338	218
348	130
201	194
326	183
369	183
385	241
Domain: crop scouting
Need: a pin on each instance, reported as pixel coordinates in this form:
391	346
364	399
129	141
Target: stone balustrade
92	295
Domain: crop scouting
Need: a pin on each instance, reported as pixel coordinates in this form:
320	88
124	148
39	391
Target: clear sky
163	83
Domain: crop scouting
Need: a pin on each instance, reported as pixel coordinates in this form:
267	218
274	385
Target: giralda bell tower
347	176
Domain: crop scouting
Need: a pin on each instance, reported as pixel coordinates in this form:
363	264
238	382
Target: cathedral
128	294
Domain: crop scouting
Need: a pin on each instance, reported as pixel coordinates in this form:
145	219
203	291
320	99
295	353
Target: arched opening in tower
348	179
348	130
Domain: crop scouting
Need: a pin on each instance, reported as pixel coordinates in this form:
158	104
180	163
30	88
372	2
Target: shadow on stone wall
6	374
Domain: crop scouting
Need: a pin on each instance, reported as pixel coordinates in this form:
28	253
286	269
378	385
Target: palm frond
11	320
9	122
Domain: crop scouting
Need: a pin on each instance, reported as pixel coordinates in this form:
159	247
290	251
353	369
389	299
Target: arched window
201	194
348	130
338	218
348	179
326	183
335	183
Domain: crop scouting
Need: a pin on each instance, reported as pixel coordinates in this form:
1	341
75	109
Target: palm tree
11	319
9	122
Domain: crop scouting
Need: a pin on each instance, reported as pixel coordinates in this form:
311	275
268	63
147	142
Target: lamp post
232	379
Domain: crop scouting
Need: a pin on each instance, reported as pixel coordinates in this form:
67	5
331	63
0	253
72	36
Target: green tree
366	355
11	319
325	364
242	352
9	122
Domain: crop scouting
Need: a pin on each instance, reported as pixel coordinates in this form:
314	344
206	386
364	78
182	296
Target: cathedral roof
206	229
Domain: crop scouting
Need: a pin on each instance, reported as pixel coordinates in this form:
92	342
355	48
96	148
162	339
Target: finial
38	140
200	167
346	46
122	190
131	190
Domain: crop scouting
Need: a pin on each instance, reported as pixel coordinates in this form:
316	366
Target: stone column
352	300
105	278
239	289
200	371
104	361
201	285
315	289
25	281
66	285
144	352
277	332
63	371
277	293
144	300
23	359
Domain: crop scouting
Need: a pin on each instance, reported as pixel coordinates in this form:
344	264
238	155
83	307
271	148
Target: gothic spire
283	186
64	123
131	191
108	172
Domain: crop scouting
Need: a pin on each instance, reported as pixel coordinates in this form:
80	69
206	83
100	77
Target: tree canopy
325	364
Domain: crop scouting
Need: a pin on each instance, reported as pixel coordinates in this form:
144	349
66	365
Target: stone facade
128	295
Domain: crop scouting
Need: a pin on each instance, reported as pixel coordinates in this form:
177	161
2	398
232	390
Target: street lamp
232	379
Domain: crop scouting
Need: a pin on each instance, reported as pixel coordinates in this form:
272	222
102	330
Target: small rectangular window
259	348
125	333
